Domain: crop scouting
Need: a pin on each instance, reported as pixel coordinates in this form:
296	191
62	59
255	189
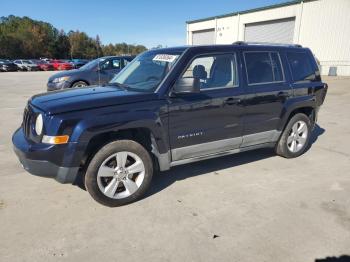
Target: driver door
210	121
108	69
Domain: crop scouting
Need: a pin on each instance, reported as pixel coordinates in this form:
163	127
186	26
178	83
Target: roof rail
264	43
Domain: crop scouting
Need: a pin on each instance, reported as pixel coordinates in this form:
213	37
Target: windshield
147	70
92	64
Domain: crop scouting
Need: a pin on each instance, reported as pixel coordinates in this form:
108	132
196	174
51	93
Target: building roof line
250	10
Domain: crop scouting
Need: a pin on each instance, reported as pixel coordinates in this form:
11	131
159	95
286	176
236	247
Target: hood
64	73
87	98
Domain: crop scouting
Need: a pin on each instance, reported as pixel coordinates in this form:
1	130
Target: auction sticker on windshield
165	58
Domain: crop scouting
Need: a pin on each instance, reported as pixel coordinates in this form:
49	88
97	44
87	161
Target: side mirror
187	86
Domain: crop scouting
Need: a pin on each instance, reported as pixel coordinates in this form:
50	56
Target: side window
106	65
116	63
127	61
301	66
263	67
214	71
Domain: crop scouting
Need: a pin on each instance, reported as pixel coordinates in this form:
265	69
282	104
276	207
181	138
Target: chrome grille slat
26	122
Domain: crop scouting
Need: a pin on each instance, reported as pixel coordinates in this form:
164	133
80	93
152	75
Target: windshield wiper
124	86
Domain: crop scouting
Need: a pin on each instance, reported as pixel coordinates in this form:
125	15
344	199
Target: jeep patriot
170	107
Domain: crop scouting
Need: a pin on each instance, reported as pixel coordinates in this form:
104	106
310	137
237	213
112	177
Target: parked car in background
45	59
61	65
77	63
7	66
43	65
98	71
26	65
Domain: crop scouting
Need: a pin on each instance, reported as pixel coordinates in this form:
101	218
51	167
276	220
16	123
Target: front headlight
39	124
60	79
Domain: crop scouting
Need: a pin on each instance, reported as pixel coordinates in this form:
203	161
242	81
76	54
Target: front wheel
119	173
79	84
295	138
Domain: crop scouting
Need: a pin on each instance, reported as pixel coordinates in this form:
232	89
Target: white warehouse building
321	25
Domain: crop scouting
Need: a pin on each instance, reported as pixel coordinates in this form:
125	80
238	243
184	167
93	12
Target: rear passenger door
267	92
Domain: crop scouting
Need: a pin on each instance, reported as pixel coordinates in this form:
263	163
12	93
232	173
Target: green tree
23	37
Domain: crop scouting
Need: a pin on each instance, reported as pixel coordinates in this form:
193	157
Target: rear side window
301	66
263	67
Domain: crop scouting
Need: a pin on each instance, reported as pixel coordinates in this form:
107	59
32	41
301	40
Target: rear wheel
119	173
80	84
295	137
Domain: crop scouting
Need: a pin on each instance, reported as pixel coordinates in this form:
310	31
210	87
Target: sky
148	22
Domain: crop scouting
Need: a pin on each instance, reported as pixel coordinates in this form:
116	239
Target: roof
250	10
247	45
170	49
114	56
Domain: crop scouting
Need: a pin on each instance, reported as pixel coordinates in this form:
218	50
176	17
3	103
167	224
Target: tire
79	84
118	184
295	138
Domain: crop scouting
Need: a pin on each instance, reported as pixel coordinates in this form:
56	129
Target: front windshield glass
92	64
147	70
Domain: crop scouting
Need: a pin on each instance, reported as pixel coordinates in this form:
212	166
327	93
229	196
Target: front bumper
58	86
34	160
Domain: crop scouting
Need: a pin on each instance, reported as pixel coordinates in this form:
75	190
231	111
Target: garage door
203	37
274	31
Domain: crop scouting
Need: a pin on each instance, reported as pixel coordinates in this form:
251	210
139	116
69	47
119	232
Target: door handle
283	94
232	101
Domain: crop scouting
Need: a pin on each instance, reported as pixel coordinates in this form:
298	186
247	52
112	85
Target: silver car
26	65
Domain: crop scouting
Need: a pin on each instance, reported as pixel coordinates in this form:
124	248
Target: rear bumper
32	160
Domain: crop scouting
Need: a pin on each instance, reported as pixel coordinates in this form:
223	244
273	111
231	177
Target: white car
26	65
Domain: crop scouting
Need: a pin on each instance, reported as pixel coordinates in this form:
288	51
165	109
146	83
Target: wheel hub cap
120	173
297	137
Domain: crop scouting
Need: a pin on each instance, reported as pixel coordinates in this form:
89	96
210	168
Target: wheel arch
79	80
141	135
308	110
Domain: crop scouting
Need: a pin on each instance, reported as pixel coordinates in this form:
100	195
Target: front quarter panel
82	126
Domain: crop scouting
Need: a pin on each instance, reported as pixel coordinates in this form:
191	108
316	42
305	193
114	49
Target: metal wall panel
274	31
203	37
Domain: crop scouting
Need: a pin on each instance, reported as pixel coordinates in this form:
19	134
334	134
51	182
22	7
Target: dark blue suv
97	72
170	107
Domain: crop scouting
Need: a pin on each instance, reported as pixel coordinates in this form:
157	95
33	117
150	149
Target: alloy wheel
121	175
297	136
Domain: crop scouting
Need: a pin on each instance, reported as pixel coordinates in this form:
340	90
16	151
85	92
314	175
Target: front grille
26	122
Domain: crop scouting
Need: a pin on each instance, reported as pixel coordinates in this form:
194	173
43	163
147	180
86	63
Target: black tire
79	84
282	148
106	151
